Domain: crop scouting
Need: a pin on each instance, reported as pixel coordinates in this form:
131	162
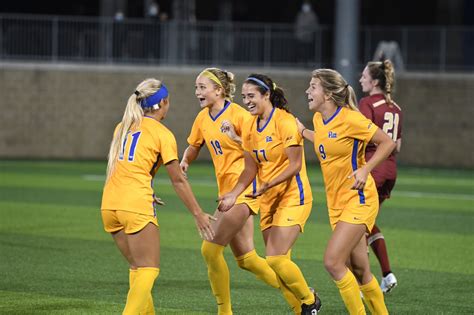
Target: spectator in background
378	80
305	26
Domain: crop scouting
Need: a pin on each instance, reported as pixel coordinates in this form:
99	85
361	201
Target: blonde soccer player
140	145
273	151
218	127
340	136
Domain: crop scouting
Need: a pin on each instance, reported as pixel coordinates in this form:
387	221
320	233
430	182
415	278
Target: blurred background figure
306	24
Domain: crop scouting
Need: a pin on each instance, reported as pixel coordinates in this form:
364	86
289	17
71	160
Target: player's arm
229	130
294	154
227	201
190	154
183	189
305	132
385	146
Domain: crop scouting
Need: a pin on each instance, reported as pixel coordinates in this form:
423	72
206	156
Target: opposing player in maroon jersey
378	80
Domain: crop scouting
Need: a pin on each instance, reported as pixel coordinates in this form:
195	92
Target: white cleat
388	283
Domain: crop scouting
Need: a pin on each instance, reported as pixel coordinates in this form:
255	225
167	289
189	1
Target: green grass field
55	257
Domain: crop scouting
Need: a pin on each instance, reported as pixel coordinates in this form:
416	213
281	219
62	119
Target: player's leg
226	227
372	294
279	240
243	248
145	252
344	239
376	240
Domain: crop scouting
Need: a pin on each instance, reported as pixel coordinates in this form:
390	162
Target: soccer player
273	149
139	146
377	80
218	126
340	135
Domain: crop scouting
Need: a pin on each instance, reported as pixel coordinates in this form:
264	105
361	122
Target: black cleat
312	309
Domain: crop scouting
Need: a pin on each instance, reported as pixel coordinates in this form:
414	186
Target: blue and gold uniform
130	187
288	203
227	155
339	143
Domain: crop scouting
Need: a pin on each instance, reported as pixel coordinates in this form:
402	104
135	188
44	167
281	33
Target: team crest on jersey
332	135
268	139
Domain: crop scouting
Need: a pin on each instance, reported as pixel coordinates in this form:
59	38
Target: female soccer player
273	148
215	89
378	80
139	146
340	136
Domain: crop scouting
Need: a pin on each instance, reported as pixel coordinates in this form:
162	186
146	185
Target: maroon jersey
387	117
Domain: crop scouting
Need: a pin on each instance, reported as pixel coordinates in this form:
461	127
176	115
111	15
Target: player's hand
203	223
226	202
184	168
228	129
157	200
261	190
360	178
301	127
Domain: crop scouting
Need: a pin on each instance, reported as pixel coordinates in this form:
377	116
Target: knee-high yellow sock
373	297
218	273
349	290
149	308
292	277
259	267
142	282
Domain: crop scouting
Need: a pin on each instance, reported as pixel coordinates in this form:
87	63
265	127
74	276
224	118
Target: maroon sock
377	242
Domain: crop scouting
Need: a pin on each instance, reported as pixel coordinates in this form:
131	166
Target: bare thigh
280	239
359	261
229	223
142	247
242	242
120	239
343	241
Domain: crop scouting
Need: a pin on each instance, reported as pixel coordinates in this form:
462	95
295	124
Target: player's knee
210	251
333	263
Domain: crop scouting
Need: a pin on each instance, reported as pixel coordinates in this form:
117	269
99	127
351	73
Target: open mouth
251	106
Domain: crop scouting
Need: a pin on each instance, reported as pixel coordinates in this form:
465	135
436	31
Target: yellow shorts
285	216
253	204
131	222
355	214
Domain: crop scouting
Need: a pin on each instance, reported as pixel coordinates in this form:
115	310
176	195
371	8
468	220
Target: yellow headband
211	76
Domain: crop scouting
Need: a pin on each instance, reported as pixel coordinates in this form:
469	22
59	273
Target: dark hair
277	95
383	72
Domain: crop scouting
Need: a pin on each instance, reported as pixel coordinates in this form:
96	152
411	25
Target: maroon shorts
385	176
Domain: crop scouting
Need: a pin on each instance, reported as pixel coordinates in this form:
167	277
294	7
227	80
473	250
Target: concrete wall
69	111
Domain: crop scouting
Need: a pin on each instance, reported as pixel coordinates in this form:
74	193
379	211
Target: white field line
409	194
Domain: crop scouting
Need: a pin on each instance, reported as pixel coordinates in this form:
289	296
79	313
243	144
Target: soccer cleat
388	283
314	308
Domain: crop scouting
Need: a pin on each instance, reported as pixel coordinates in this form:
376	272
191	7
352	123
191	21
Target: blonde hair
384	72
225	78
132	117
333	83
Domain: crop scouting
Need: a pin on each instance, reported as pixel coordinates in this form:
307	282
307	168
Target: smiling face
366	81
255	101
316	95
206	92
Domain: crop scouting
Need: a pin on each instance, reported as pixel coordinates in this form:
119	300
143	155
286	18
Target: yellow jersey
227	155
267	147
339	143
130	187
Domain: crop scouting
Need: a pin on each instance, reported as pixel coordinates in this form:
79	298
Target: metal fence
99	39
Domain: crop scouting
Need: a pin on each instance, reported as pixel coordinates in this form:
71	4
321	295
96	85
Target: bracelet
302	132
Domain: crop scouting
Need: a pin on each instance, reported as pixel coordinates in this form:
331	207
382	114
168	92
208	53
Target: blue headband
156	98
259	82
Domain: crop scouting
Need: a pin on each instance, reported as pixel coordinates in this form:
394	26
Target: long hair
384	72
132	117
341	92
226	80
277	95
